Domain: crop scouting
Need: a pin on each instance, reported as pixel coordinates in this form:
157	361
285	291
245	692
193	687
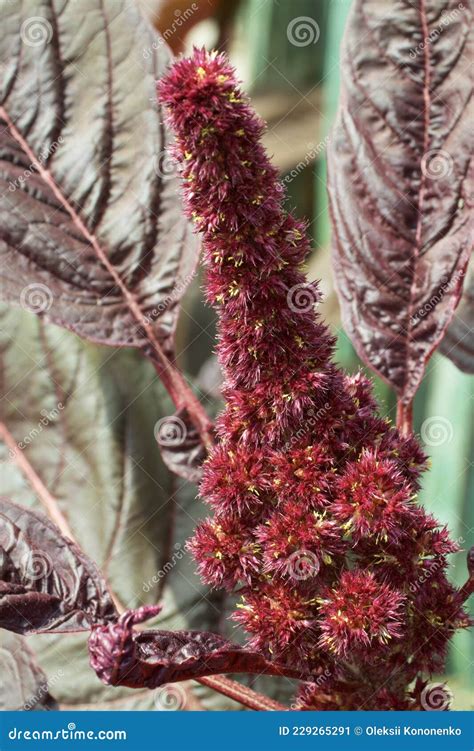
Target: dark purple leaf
123	657
181	447
458	341
399	175
46	581
92	235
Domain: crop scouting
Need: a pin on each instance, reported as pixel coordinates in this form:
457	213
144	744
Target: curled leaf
123	657
181	446
46	582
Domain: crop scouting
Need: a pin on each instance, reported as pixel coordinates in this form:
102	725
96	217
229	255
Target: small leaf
92	233
122	657
399	181
182	449
46	581
181	655
24	685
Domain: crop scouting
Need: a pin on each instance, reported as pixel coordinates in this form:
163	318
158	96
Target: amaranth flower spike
312	492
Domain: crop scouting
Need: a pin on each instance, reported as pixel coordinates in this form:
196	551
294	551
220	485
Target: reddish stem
182	395
49	502
405	417
244	695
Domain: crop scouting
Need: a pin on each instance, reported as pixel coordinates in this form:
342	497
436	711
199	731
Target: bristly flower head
312	492
359	615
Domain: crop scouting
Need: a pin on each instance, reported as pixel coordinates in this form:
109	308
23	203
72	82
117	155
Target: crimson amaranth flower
314	520
359	614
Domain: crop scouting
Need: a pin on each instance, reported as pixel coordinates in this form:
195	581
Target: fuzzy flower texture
313	494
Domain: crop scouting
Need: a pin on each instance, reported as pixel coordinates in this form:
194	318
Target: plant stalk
244	695
405	417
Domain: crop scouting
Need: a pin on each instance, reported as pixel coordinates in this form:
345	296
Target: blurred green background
293	78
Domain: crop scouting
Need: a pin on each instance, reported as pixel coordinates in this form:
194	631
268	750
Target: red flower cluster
313	493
